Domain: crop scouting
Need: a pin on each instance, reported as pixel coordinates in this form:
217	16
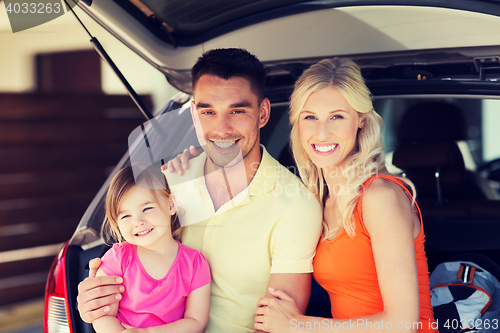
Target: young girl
167	285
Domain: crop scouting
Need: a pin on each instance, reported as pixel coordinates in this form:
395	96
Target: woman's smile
328	127
324	149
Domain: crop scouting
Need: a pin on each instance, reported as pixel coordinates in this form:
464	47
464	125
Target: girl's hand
275	314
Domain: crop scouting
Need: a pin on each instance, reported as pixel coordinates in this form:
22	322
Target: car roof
288	35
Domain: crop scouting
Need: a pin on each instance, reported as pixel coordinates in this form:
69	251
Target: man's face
228	118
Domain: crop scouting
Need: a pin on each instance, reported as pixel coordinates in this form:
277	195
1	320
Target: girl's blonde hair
367	157
122	183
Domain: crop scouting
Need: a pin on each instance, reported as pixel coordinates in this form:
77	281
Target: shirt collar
263	181
265	177
197	170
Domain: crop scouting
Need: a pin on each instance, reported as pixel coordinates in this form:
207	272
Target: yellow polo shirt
273	226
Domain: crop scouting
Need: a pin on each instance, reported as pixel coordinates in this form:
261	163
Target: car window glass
480	142
490	126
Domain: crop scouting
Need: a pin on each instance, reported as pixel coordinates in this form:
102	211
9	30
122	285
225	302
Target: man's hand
181	161
95	294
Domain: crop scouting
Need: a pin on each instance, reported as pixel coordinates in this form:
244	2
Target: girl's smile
144	219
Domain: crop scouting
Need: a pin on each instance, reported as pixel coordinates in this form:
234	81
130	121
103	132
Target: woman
370	258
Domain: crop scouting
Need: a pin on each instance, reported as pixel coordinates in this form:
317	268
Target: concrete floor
31	329
26	317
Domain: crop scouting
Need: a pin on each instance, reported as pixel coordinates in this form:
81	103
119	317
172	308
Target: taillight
56	314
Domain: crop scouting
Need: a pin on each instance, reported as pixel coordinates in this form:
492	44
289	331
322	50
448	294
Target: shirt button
211	225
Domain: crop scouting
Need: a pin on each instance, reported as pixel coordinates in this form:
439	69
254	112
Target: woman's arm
195	317
108	323
393	225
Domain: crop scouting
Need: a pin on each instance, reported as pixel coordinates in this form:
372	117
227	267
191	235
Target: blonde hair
367	157
121	184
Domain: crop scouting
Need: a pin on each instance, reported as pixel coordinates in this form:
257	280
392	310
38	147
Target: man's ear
197	124
194	114
265	112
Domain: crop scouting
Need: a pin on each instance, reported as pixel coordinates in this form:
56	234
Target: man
251	218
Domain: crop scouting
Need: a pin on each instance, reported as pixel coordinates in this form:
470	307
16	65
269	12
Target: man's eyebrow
203	105
242	104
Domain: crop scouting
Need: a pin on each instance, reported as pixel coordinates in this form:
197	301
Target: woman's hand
275	314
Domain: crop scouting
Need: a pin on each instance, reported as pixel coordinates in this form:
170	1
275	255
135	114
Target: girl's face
144	220
328	127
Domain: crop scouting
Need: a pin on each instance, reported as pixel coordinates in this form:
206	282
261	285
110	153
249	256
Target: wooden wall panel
68	71
56	150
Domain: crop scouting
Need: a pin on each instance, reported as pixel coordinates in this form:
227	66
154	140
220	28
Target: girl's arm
195	317
108	323
393	225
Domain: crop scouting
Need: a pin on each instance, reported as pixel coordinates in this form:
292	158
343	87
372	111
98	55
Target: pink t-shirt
149	302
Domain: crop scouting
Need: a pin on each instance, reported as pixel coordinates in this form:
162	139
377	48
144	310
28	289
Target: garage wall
17	51
57	149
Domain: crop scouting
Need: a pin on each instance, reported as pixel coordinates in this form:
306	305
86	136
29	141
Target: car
433	68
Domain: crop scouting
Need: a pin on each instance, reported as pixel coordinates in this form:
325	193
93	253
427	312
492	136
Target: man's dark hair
229	63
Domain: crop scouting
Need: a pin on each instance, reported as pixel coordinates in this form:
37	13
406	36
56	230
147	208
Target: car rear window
479	140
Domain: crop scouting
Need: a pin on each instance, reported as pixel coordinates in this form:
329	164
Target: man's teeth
143	232
224	144
325	149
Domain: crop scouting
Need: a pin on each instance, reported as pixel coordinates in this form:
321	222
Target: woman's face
328	127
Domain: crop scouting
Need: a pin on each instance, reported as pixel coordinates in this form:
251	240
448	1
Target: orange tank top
345	268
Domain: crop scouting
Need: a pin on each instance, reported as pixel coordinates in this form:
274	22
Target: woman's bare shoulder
385	202
382	190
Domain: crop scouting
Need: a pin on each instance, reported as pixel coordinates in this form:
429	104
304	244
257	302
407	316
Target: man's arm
97	294
297	285
294	246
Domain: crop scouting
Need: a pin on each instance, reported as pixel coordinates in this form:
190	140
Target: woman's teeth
224	144
325	149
